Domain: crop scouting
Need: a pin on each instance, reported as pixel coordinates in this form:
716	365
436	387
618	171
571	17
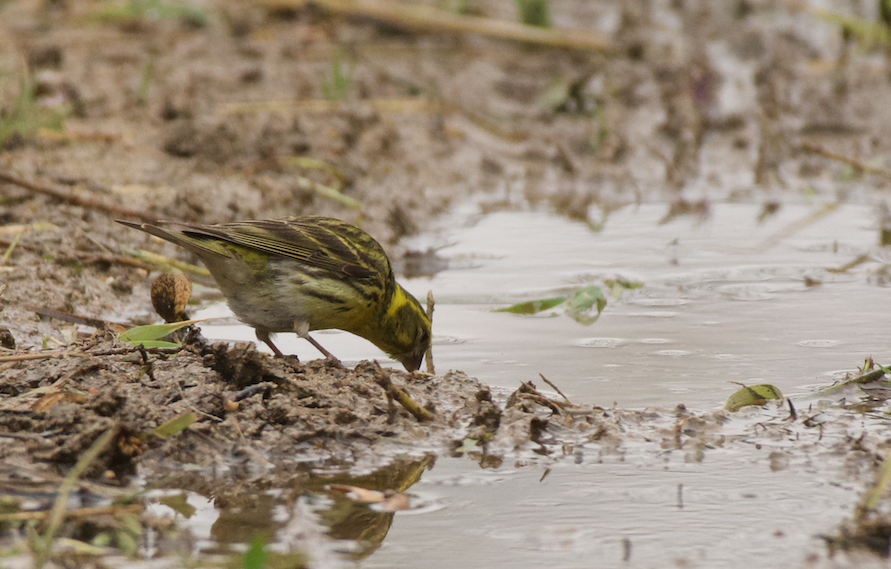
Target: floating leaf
583	304
146	334
622	283
752	395
179	504
468	445
176	425
533	306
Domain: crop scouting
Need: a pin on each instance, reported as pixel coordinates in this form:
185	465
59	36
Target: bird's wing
324	243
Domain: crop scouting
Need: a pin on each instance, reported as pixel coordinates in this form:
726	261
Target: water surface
725	298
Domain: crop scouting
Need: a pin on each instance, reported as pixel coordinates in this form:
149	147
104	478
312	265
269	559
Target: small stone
6	339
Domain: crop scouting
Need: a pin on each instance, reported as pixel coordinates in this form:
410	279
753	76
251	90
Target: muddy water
725	299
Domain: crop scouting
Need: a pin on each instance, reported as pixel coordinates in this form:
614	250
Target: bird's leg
264	337
328	355
302	330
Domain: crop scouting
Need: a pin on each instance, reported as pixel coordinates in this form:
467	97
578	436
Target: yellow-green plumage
308	273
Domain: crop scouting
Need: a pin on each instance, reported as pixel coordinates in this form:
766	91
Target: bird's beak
412	362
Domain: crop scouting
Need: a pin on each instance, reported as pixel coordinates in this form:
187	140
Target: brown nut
170	293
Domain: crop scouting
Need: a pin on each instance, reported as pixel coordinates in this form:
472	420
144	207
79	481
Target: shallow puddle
724	299
733	511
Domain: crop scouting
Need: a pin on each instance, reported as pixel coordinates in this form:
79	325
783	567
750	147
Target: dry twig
429	355
383	379
557	389
74	200
419	17
853	162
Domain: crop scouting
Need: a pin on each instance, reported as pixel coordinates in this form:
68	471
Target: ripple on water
672	353
654	341
726	357
834	375
599	342
818	343
748	291
649	301
665	314
442	340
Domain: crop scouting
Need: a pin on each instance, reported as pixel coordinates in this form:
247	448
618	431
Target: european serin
303	274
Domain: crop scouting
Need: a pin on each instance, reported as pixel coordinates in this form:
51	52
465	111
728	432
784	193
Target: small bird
304	274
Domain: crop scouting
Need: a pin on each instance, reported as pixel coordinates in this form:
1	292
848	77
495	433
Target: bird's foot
331	361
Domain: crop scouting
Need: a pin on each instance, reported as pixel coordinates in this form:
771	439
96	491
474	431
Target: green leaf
752	395
622	283
156	344
586	305
255	556
144	334
81	547
179	504
533	306
102	539
126	543
132	524
176	425
535	12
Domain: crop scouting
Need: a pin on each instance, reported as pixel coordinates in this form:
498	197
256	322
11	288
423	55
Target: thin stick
858	260
22	436
798	225
557	389
92	258
43	356
111	352
162	260
75	200
79	320
329	192
435	104
817	149
415	105
382	377
22	227
544	402
79	513
429	355
427	18
8	253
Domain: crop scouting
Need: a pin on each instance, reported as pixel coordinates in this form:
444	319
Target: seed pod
170	293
